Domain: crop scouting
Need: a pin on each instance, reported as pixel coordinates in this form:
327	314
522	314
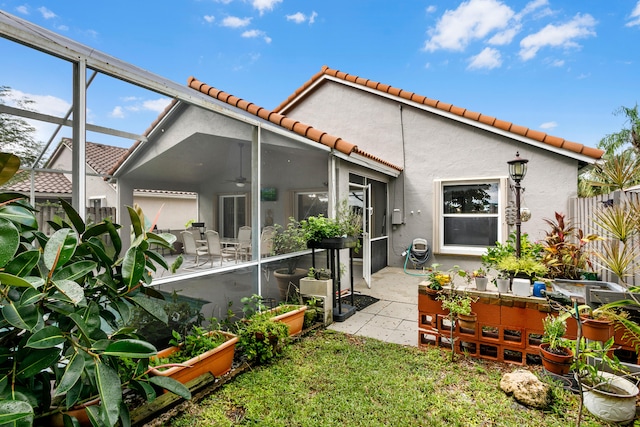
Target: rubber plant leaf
9	165
13	411
144	389
131	348
73	216
109	389
18	282
21	316
172	385
23	263
75	271
136	222
133	266
36	361
60	248
31	296
71	291
71	374
21	215
47	337
151	307
9	241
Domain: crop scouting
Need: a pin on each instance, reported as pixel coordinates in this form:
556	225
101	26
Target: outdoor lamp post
517	171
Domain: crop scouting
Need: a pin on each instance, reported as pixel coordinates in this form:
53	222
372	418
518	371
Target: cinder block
311	286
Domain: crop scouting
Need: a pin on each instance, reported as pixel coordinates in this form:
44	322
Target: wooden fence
49	211
583	215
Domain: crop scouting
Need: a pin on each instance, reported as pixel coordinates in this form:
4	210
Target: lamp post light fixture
517	171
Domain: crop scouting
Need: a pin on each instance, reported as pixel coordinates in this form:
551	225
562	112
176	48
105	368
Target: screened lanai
245	170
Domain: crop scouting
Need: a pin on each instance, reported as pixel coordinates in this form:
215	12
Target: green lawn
332	379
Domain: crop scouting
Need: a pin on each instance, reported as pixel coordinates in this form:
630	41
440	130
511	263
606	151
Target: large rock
526	388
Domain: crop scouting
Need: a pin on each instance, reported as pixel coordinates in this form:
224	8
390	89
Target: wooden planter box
216	361
293	319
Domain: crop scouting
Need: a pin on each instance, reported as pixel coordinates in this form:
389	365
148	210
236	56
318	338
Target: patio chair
215	248
266	241
191	248
199	227
243	250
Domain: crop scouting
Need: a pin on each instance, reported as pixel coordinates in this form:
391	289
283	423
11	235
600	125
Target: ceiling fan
240	181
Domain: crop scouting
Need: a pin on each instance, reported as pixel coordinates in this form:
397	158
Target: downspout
404	164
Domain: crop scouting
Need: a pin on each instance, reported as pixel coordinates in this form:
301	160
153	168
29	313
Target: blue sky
562	67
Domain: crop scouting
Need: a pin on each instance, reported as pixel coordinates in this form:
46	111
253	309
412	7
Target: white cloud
473	19
250	34
300	17
24	10
634	18
505	37
557	63
235	22
223	1
489	58
431	9
157	105
531	7
117	113
549	125
265	5
46	13
563	35
297	17
62	28
45	104
209	18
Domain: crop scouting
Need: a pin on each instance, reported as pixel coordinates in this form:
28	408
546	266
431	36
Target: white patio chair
243	250
191	248
266	241
215	247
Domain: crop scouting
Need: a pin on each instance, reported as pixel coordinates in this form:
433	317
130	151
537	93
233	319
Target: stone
526	388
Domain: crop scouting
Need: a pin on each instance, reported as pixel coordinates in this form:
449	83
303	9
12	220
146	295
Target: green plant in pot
523	266
64	300
333	233
288	241
556	355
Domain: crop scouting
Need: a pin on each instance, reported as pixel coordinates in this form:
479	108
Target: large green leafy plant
63	301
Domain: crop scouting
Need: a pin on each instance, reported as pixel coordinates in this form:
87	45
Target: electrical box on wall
396	217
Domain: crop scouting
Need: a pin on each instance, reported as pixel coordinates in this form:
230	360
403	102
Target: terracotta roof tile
286	122
488	120
100	157
44	182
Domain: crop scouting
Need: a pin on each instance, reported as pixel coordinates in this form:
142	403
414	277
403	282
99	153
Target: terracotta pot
556	363
596	330
216	361
78	412
293	319
432	293
467	321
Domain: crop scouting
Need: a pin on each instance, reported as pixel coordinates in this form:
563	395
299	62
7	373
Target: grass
333	379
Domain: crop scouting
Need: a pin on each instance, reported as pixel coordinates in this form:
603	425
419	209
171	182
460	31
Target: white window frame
438	214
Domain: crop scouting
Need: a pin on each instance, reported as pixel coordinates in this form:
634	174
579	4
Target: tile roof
100	157
462	112
45	182
300	128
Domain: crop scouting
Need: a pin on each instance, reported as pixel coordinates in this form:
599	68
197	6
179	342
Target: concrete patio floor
395	317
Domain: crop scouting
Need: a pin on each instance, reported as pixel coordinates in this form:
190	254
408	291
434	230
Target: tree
621	166
16	134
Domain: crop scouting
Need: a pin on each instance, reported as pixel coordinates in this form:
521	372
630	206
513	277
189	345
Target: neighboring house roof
100	157
300	128
328	73
44	182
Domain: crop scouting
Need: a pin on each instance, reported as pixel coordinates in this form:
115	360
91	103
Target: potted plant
524	266
481	279
340	232
64	298
195	354
597	324
606	394
556	356
262	339
436	280
565	249
287	241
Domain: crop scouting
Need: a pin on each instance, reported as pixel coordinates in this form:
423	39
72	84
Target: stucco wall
435	147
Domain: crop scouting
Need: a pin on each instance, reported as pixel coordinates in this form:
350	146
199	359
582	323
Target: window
469	215
311	204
